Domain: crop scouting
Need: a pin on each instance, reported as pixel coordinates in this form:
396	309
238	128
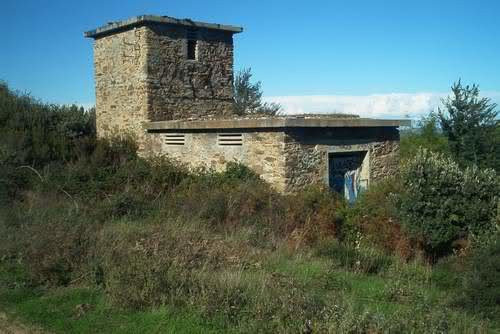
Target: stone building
168	82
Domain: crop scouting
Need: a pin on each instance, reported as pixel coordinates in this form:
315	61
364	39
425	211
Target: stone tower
158	68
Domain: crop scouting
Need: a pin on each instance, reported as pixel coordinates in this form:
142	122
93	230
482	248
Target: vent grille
230	139
175	139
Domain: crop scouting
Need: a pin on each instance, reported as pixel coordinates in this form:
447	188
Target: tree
471	125
248	97
427	135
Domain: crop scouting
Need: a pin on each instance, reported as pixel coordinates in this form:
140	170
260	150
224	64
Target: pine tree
248	97
471	125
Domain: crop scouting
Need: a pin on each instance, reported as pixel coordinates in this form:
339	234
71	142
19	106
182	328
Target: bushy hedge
441	204
36	133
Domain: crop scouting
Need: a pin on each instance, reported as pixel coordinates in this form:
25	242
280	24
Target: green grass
59	310
292	285
303	268
95	239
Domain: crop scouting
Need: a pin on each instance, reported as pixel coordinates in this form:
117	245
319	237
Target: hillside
95	239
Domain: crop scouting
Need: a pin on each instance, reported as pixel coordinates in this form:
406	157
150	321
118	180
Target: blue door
344	173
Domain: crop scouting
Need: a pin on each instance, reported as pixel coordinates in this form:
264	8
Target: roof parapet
112	27
260	123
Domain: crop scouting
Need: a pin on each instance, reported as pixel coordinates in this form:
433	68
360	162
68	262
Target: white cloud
394	105
86	105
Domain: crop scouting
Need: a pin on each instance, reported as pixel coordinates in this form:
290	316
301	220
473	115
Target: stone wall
143	74
384	159
263	152
120	62
306	153
288	159
180	88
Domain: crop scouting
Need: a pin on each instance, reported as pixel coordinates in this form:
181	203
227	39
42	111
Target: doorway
347	174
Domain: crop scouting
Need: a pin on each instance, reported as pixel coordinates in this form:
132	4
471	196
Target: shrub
312	214
480	190
427	135
239	172
481	291
36	133
50	240
303	217
376	216
58	252
149	264
441	203
448	272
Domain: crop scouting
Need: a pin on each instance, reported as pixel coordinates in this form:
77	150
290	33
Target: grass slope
59	311
404	297
94	239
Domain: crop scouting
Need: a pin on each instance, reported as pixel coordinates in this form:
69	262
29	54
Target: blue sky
380	58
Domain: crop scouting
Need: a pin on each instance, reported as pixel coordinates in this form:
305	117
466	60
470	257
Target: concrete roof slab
113	27
270	123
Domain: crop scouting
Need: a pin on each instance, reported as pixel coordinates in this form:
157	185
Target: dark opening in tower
192	45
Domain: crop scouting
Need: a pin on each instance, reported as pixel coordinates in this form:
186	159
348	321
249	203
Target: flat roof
262	123
143	19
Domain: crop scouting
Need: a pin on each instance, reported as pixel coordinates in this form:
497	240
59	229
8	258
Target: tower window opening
192	45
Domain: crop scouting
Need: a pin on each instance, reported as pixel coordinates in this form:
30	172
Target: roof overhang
273	123
135	21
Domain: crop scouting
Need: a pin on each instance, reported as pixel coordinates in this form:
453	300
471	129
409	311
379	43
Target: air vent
230	139
175	139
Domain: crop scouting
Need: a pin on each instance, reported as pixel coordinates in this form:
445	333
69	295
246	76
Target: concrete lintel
138	20
273	123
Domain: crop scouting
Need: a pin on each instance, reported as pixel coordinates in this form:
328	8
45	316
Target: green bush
448	272
51	240
239	172
35	133
426	135
138	264
441	204
375	215
481	291
313	214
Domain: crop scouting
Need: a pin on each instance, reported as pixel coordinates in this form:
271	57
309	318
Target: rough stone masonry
168	82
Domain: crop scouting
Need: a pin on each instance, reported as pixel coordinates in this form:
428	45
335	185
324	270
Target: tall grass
152	234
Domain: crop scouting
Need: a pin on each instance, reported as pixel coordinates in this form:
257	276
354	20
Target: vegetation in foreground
94	238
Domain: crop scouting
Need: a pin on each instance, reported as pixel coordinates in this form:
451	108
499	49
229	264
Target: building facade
160	68
168	82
